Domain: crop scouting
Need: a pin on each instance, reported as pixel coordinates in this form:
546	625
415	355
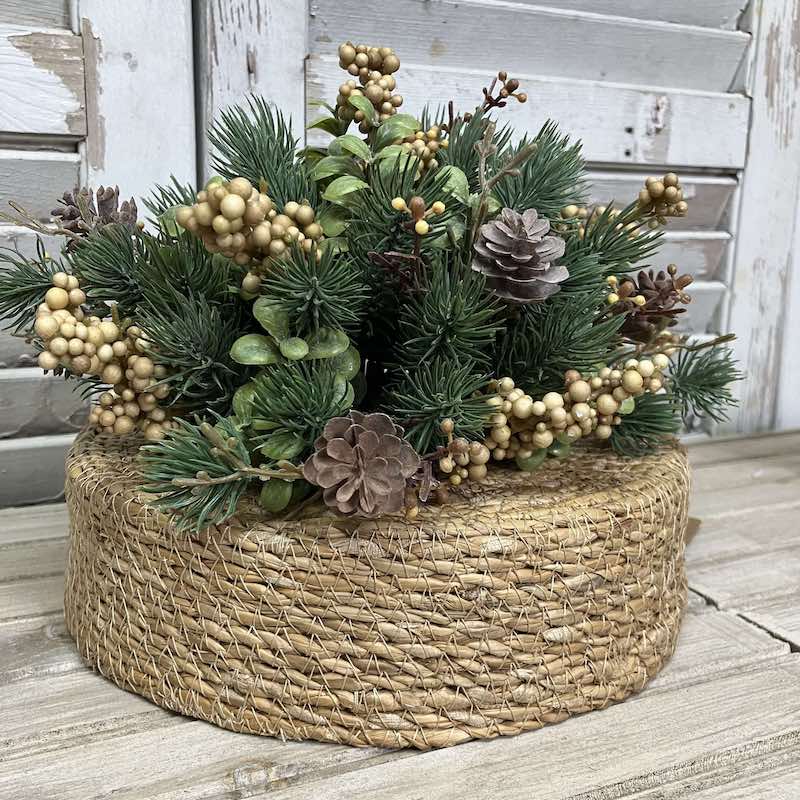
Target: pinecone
79	213
661	293
517	256
362	463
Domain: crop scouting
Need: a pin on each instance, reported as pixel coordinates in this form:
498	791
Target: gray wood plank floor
722	721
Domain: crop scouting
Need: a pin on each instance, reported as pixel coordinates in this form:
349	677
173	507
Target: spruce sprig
256	143
330	293
621	242
23	284
700	380
175	193
548	180
452	317
199	471
436	391
547	339
653	422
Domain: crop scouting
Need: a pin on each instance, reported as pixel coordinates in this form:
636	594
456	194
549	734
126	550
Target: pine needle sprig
294	402
566	332
700	380
621	242
192	337
197	474
548	180
163	198
436	391
653	423
23	285
452	317
330	293
256	142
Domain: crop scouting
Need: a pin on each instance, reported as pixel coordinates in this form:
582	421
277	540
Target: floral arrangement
377	322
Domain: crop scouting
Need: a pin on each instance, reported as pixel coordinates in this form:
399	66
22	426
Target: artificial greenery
438	268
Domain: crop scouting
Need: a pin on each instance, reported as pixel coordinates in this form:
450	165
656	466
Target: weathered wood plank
251	46
664	123
754	711
140	94
780	616
37	647
35	404
766	259
709	13
41	82
36	178
33	559
33	597
700	253
473	33
732	448
701	313
33	524
708	195
32	469
41	14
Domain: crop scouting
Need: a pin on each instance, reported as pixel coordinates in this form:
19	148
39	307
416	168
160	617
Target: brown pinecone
80	213
662	292
362	463
516	254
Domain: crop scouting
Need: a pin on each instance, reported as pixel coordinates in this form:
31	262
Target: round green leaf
455	182
627	405
282	445
347	364
275	495
559	449
327	343
397	126
255	350
351	144
243	401
343	188
532	462
272	319
294	348
334	220
334	165
364	106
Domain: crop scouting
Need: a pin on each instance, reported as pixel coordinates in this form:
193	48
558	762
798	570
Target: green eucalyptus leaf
243	401
626	406
254	350
333	220
272	318
394	157
344	390
352	144
167	223
282	445
364	106
334	165
294	348
455	182
396	127
330	125
343	189
275	495
533	461
327	343
347	364
559	449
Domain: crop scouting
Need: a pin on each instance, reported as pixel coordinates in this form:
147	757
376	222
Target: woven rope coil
535	598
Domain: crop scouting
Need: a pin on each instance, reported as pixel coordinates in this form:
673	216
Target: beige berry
579	391
632	381
47	360
46	327
553	400
56	298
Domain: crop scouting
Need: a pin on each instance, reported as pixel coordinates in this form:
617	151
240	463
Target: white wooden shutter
100	91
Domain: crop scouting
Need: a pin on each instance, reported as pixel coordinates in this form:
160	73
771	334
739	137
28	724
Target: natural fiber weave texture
538	597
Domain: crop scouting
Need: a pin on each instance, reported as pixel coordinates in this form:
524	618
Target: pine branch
700	381
436	391
23	285
653	423
163	198
256	143
550	179
547	339
451	317
331	293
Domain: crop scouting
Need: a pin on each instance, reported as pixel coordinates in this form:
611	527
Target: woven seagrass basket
538	597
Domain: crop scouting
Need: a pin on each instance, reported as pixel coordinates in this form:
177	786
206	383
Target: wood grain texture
41	82
39	523
754	712
708	13
699	253
779	615
34	404
37	178
31	597
36	647
32	469
41	14
766	253
33	559
250	46
732	448
140	94
701	313
664	124
474	34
